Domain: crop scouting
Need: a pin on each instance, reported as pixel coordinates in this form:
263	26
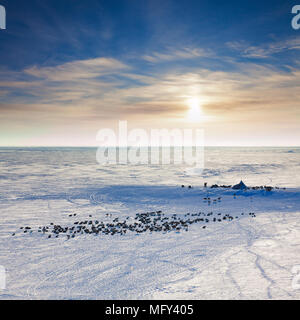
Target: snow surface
247	258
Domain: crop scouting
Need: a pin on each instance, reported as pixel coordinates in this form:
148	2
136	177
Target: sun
195	111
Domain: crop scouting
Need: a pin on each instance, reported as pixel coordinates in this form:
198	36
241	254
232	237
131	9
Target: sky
69	68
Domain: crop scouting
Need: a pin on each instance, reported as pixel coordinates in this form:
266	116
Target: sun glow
195	112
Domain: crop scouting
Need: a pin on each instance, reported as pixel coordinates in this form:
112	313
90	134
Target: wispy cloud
80	69
67	83
179	54
264	51
81	83
81	95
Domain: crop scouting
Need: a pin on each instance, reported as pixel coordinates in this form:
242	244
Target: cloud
171	55
264	51
86	95
67	83
80	69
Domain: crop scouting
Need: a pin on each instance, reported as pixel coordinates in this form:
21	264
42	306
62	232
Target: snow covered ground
246	258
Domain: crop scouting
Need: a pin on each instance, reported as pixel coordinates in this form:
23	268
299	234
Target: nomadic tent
240	186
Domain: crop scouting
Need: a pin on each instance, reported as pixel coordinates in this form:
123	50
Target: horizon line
217	146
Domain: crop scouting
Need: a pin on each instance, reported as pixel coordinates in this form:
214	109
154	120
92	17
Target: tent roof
240	186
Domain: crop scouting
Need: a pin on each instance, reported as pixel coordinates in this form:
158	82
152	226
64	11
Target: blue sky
52	32
69	68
